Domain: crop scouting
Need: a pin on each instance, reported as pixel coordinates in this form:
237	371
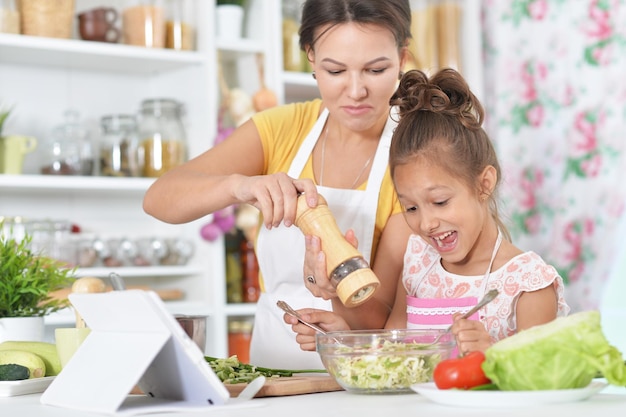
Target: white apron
280	252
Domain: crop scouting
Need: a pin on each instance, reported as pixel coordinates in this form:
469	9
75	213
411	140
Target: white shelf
240	309
66	316
64	183
141	272
232	49
97	56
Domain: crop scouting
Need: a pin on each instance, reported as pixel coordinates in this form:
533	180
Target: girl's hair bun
446	93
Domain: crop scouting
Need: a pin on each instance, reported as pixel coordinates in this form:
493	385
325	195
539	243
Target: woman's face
443	210
356	68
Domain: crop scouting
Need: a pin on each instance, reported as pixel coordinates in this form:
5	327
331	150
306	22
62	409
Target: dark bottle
250	270
234	273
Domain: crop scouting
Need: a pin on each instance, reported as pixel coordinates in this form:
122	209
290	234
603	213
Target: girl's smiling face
442	209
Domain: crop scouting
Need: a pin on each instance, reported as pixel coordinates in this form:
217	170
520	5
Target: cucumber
46	351
13	372
35	364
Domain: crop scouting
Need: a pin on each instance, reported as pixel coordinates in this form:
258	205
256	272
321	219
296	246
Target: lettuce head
566	353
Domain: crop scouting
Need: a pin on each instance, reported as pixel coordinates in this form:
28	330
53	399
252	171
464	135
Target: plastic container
119	146
162	136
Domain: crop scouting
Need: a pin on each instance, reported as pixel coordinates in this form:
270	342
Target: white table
609	403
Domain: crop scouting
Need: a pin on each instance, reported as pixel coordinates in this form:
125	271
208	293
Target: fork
293	313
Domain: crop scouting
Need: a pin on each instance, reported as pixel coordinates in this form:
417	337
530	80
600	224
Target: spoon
483	302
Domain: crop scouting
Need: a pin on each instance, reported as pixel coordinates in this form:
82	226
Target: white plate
25	386
496	399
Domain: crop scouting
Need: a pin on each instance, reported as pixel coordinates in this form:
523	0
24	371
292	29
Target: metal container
195	327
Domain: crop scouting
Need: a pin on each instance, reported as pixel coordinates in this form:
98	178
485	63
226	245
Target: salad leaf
566	353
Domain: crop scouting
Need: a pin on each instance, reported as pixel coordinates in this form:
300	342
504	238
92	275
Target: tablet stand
134	340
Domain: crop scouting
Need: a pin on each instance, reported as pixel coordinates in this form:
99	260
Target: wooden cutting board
291	385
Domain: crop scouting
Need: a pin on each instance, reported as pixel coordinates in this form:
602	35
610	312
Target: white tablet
134	340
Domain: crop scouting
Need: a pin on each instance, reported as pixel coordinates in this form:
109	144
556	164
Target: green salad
389	367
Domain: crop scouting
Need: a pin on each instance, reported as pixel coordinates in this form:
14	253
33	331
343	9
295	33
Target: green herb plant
232	2
4	114
27	279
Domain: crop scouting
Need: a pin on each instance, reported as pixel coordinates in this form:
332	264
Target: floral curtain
555	93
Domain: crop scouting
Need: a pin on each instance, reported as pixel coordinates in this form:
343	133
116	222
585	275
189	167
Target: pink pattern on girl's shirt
525	272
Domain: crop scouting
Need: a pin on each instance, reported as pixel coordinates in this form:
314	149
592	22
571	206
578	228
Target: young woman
337	146
446	174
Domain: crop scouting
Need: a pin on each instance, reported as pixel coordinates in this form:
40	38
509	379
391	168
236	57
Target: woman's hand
315	276
275	196
471	335
305	336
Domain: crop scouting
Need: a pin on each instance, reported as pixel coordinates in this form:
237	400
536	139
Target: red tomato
464	373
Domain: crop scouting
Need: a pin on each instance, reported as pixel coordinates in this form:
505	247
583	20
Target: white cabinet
42	77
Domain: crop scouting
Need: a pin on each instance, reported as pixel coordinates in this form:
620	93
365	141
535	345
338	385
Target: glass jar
162	135
179	30
119	146
239	337
294	59
143	23
9	17
68	151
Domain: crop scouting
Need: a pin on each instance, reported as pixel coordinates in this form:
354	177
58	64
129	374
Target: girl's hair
440	119
394	15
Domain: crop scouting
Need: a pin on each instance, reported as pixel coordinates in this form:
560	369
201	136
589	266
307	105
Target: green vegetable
566	353
13	372
232	371
383	368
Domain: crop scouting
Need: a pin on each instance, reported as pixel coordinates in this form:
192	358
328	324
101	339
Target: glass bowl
383	361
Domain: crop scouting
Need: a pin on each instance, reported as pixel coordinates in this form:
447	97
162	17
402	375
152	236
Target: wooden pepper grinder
348	271
86	285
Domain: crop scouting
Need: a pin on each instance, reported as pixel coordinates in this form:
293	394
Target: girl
446	172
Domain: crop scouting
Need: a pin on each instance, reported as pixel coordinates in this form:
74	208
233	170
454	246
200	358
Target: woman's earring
313	75
400	75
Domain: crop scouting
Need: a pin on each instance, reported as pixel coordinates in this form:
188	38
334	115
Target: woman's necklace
356	180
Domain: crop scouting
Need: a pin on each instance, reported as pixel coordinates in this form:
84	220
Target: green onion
232	371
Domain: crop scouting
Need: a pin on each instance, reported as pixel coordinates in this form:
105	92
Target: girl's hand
471	335
275	196
305	336
315	276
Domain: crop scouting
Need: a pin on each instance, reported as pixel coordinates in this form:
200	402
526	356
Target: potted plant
229	16
26	281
